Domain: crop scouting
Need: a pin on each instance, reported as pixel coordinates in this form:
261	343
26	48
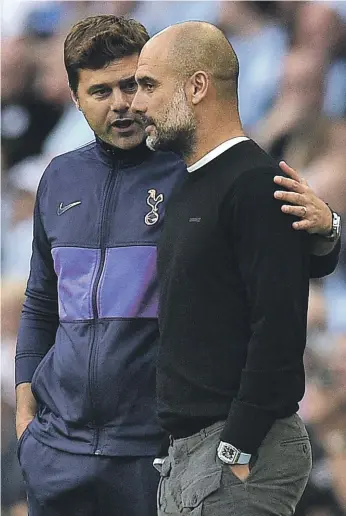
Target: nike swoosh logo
61	208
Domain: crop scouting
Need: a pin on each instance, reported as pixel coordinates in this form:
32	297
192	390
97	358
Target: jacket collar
126	157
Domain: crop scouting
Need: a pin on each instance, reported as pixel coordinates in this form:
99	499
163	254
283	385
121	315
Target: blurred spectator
12	486
335	295
319	26
12	298
14	14
260	43
324	409
17	226
72	130
157	15
26	118
296	130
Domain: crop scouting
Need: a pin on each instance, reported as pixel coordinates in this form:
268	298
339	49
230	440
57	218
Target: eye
102	92
131	86
149	86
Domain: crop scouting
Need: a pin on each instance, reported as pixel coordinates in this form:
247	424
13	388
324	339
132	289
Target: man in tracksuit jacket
85	361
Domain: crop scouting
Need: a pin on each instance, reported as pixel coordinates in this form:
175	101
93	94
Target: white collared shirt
216	152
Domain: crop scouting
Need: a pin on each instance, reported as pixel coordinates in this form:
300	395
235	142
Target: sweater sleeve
39	319
273	261
325	264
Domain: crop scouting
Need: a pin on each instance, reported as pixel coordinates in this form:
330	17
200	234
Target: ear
199	83
75	99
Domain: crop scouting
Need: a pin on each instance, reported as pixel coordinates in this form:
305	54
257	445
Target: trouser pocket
200	488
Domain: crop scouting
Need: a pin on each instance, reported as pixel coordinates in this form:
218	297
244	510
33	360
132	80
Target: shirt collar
129	157
216	152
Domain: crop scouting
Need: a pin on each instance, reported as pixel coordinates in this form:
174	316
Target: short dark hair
96	41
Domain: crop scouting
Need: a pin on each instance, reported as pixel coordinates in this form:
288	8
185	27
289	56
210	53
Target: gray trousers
195	482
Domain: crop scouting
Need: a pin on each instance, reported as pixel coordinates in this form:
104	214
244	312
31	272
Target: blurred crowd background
292	102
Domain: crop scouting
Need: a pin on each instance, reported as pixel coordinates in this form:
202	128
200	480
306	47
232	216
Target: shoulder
253	192
245	163
81	153
61	165
257	169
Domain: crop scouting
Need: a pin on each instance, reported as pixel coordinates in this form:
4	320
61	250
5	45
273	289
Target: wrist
328	228
333	231
21	426
24	419
229	454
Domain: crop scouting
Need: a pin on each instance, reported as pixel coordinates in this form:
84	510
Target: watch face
230	453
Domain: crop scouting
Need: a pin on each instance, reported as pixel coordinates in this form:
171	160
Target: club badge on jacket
153	200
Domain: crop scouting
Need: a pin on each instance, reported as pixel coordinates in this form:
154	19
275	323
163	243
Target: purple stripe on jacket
76	269
127	286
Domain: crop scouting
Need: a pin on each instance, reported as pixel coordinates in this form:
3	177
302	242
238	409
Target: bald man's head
192	46
187	77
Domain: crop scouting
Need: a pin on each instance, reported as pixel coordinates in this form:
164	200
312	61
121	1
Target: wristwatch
231	455
336	227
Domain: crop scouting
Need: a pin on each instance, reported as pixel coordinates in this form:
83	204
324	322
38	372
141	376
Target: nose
120	103
138	104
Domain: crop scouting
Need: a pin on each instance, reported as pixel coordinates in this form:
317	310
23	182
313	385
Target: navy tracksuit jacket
89	332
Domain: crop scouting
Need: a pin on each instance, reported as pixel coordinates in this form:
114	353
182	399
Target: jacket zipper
111	181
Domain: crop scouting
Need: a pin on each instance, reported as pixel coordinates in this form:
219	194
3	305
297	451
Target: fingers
298	211
293	197
304	225
289	171
290	184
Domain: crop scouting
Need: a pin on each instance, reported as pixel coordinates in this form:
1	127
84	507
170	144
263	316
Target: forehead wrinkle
106	78
148	70
157	69
154	51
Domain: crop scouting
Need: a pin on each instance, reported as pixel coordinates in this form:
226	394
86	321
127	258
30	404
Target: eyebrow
96	87
122	82
145	79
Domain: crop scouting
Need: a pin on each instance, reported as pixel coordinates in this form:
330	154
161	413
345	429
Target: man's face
161	101
105	96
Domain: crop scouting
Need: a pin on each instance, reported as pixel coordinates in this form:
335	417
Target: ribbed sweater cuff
25	367
246	426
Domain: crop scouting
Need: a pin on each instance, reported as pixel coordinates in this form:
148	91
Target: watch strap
336	226
228	454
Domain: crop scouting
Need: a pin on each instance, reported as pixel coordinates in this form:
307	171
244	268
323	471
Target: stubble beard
177	129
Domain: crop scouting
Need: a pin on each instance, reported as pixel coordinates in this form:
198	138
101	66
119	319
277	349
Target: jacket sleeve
273	261
324	265
39	319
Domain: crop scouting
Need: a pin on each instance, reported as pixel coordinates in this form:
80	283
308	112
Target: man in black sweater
234	293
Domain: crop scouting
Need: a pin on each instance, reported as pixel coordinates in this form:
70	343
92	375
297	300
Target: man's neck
206	143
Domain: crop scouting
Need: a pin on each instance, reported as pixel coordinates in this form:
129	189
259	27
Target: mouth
123	124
